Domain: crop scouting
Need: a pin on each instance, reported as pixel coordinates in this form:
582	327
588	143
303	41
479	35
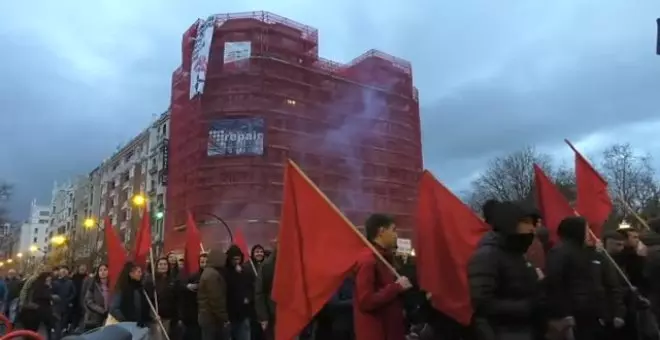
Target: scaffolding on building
353	128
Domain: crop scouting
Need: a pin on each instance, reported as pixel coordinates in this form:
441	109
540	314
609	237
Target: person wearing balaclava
504	287
581	292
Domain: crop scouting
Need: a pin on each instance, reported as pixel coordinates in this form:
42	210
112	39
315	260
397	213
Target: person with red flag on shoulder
504	287
377	302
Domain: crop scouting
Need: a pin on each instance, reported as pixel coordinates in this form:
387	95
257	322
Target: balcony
153	168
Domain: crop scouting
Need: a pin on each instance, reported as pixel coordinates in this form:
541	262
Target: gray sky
80	77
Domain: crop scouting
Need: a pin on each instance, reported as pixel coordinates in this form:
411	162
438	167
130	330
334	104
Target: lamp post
91	223
219	219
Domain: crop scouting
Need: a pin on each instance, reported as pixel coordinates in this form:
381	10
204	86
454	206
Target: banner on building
200	56
236	137
237	54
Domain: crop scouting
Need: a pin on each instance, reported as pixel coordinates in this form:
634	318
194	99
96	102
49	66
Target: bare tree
511	178
631	178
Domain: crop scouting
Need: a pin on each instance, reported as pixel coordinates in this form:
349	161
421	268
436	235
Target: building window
36	230
43	221
34	240
44	213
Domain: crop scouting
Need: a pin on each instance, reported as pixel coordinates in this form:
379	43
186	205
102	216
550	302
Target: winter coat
240	287
188	299
78	279
212	291
504	287
377	302
37	305
264	304
580	281
131	305
66	292
166	289
96	308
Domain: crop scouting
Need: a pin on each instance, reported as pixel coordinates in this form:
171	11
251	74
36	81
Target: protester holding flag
129	302
163	289
582	291
377	303
212	297
504	287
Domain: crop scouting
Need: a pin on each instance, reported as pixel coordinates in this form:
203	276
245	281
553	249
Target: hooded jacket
579	280
504	286
240	286
212	291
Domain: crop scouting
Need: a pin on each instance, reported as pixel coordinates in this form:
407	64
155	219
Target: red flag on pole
143	239
241	243
193	246
593	199
447	233
554	206
317	249
116	252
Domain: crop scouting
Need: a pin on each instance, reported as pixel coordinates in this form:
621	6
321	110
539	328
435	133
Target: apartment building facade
61	211
34	231
157	177
116	182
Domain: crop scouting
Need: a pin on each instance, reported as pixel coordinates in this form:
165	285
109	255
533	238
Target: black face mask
519	242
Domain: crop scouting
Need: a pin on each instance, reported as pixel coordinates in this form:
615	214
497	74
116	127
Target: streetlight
2	264
10	261
34	248
139	200
89	223
58	240
219	219
19	255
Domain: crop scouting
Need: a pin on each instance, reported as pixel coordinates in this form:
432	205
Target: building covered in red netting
265	95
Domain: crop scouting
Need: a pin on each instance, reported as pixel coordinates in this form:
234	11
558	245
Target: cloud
81	77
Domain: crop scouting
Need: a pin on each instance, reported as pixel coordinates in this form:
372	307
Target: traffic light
159	212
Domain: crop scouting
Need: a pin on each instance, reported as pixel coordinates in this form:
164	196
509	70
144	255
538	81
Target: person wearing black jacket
240	293
78	309
632	259
129	303
582	290
165	288
188	302
504	286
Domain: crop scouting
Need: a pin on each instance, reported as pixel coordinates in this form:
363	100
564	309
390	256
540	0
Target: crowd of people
582	289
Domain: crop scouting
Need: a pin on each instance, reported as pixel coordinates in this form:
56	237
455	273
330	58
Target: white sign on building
404	245
237	51
200	56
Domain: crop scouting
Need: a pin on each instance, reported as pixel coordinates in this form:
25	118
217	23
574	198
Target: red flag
447	233
317	249
116	252
142	239
193	246
554	206
593	199
240	242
